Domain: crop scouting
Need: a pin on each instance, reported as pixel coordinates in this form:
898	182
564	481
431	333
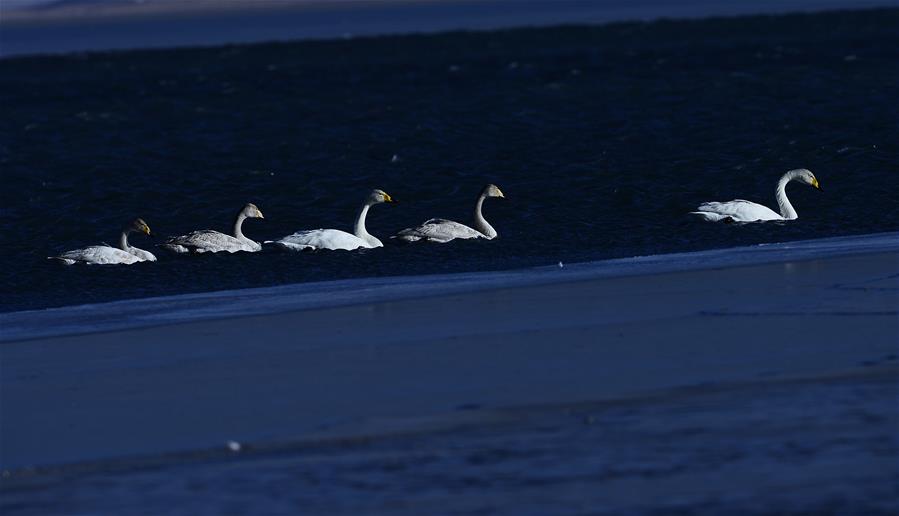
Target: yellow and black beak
388	198
146	229
816	185
259	214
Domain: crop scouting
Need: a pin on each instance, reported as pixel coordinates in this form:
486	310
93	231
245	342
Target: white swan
209	241
442	230
744	211
334	238
104	254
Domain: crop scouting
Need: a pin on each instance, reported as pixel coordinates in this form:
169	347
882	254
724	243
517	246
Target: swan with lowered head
209	241
442	230
744	211
106	255
335	238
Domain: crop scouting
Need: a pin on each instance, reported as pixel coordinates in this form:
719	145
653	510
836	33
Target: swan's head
138	226
250	211
377	196
805	176
492	190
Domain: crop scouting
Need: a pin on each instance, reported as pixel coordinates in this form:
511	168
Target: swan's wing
321	239
100	255
438	230
145	256
737	210
209	241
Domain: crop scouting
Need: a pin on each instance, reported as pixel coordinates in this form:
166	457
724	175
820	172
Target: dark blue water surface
602	138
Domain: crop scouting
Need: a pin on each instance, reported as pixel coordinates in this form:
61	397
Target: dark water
602	138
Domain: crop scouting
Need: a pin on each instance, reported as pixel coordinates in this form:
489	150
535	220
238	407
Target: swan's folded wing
145	256
739	210
208	241
100	255
438	230
321	239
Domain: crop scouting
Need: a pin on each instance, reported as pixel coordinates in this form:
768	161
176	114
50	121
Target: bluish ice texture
147	312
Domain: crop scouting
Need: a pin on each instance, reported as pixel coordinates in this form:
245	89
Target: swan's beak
259	214
815	184
500	192
147	231
388	198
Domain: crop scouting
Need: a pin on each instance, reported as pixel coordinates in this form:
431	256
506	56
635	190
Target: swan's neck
359	228
480	223
238	223
786	209
123	240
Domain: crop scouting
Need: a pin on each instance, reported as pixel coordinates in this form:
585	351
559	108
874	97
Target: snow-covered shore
395	352
78	25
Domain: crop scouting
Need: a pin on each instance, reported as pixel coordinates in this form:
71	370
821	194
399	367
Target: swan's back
209	241
738	210
321	239
99	255
439	230
145	256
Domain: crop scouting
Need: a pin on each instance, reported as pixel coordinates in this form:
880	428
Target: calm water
602	139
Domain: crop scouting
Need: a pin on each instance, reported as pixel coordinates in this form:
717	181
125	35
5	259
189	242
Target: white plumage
335	239
98	255
108	255
740	210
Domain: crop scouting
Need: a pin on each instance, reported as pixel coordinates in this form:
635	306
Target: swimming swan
104	254
209	241
334	238
442	230
744	211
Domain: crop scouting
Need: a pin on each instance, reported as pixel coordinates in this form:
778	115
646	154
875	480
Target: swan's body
443	230
125	254
145	256
209	241
745	211
98	255
335	239
439	230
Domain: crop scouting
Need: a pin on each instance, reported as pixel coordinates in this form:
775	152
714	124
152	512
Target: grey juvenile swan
209	241
442	230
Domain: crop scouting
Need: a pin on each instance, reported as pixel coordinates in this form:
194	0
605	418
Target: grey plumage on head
138	225
252	211
491	190
377	196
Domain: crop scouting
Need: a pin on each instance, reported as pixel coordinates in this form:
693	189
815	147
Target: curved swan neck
786	209
359	228
123	240
480	223
238	223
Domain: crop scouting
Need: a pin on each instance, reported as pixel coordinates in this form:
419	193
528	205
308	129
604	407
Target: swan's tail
175	248
278	245
407	235
66	261
709	215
